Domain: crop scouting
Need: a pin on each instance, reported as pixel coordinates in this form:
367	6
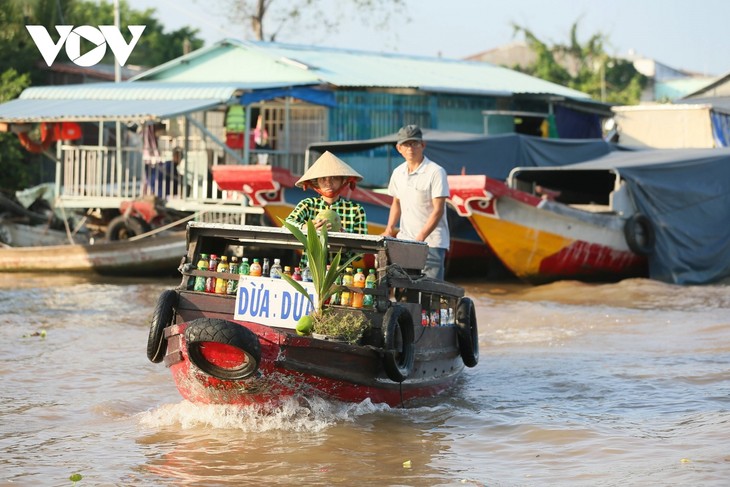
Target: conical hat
328	165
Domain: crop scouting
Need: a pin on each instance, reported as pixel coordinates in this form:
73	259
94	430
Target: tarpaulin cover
492	155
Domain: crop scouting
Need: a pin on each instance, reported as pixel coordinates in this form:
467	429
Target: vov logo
71	37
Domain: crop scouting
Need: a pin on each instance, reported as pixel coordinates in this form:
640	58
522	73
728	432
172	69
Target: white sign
271	302
71	37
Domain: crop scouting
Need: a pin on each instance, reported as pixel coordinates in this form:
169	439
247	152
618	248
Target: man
419	189
164	179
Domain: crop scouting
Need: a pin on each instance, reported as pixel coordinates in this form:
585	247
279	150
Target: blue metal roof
244	61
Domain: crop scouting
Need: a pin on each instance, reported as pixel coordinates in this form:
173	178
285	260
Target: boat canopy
494	155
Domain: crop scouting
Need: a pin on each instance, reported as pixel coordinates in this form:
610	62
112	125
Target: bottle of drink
244	268
347	280
297	275
202	265
369	300
306	272
358	280
255	269
210	281
276	270
221	284
265	268
233	281
287	270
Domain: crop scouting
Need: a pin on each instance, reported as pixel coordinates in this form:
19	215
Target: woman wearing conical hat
329	176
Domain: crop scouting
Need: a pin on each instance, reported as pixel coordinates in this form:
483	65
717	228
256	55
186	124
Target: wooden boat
243	348
540	239
151	255
273	189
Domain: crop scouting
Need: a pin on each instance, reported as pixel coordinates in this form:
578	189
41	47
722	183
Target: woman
329	176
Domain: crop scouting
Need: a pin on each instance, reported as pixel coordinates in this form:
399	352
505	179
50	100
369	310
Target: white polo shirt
416	192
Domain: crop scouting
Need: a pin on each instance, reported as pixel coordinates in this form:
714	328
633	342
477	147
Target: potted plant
347	326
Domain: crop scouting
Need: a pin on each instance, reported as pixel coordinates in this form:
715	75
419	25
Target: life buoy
639	233
41	145
399	349
161	319
217	331
124	227
466	332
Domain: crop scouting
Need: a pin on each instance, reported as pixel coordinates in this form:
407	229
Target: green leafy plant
348	326
316	246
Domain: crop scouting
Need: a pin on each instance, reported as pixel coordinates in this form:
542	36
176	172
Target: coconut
332	217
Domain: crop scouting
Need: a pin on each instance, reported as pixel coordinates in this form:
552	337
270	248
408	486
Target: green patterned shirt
351	213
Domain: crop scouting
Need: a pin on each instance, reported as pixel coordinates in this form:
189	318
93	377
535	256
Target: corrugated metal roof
234	60
143	100
46	110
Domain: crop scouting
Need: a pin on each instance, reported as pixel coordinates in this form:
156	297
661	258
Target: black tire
399	349
124	227
161	319
639	233
467	332
217	330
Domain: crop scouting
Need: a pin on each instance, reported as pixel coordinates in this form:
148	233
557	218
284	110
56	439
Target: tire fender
161	319
639	233
217	330
399	348
467	332
123	227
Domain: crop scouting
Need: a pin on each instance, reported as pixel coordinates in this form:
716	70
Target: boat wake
292	414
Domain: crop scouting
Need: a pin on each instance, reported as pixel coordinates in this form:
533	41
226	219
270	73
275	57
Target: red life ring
38	146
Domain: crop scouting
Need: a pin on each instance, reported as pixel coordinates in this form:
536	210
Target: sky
684	35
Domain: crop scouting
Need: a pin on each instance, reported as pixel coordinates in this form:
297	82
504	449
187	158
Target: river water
577	384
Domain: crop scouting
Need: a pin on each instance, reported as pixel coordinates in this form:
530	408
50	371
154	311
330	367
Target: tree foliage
21	63
268	20
585	67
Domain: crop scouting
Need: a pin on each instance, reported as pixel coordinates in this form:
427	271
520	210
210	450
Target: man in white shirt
419	189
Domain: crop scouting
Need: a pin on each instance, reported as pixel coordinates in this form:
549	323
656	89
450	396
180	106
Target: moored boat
540	239
151	255
244	348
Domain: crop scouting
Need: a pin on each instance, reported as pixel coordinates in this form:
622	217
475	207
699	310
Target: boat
148	255
540	239
244	349
657	213
273	189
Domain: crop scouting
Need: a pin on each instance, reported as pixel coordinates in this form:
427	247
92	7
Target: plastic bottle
297	274
265	268
232	285
244	268
202	266
370	282
347	280
221	284
255	269
306	272
287	270
210	281
358	280
276	270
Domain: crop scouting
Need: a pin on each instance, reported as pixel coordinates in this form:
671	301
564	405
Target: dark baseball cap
410	132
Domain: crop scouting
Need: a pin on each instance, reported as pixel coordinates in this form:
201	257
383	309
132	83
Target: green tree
300	16
585	67
22	65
